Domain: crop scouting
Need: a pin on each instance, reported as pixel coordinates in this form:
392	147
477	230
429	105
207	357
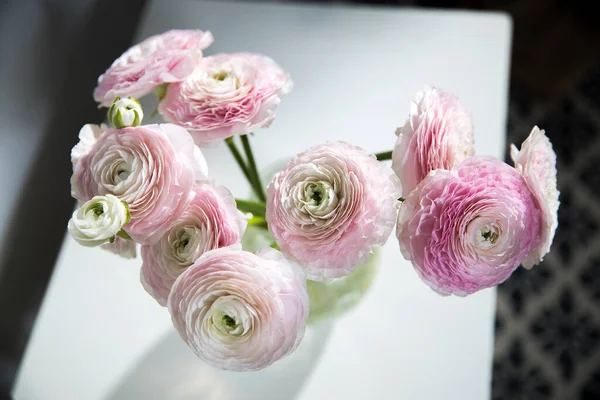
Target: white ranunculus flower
125	112
151	167
98	220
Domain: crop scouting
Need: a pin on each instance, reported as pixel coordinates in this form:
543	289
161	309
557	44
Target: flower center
220	76
186	243
228	321
317	199
121	172
484	234
183	242
314	193
97	209
224	79
490	236
227	325
487	235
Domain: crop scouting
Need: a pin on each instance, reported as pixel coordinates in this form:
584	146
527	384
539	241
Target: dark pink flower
468	229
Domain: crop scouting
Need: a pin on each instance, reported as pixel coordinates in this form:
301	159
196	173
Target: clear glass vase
327	299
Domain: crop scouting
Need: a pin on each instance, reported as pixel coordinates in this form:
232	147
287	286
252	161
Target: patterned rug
548	319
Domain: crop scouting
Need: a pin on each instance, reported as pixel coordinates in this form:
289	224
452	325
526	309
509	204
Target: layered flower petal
98	220
438	134
536	161
227	94
210	221
468	229
87	138
125	248
151	167
330	206
240	311
168	57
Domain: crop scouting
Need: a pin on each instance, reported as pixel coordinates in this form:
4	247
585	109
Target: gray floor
548	319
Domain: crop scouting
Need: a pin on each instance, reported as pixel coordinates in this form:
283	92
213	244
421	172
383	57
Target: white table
100	336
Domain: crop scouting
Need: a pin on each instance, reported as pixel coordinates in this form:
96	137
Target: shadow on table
171	370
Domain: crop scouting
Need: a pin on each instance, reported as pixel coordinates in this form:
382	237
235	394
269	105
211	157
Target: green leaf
253	207
136	120
161	91
386	155
128	218
123	235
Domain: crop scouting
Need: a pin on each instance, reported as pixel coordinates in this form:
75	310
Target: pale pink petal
122	247
240	311
151	167
331	232
165	58
210	221
536	161
227	94
438	134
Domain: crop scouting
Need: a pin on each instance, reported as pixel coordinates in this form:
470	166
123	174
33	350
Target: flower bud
125	112
98	220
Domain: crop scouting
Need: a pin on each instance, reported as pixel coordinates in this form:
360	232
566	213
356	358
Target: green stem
238	157
259	222
386	155
252	169
257	209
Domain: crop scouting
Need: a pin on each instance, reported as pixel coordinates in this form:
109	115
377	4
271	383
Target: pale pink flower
240	311
468	229
165	58
151	167
227	94
122	247
330	206
438	134
87	138
210	221
537	163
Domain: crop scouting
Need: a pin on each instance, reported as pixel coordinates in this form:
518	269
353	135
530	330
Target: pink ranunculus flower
210	221
240	311
438	134
87	138
537	163
151	167
165	58
227	94
468	229
330	206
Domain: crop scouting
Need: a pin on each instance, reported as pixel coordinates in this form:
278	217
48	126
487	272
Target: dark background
548	319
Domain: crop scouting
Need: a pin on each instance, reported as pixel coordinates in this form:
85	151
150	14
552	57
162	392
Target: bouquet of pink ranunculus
466	222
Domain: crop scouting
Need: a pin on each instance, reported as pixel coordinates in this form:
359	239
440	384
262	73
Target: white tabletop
100	336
